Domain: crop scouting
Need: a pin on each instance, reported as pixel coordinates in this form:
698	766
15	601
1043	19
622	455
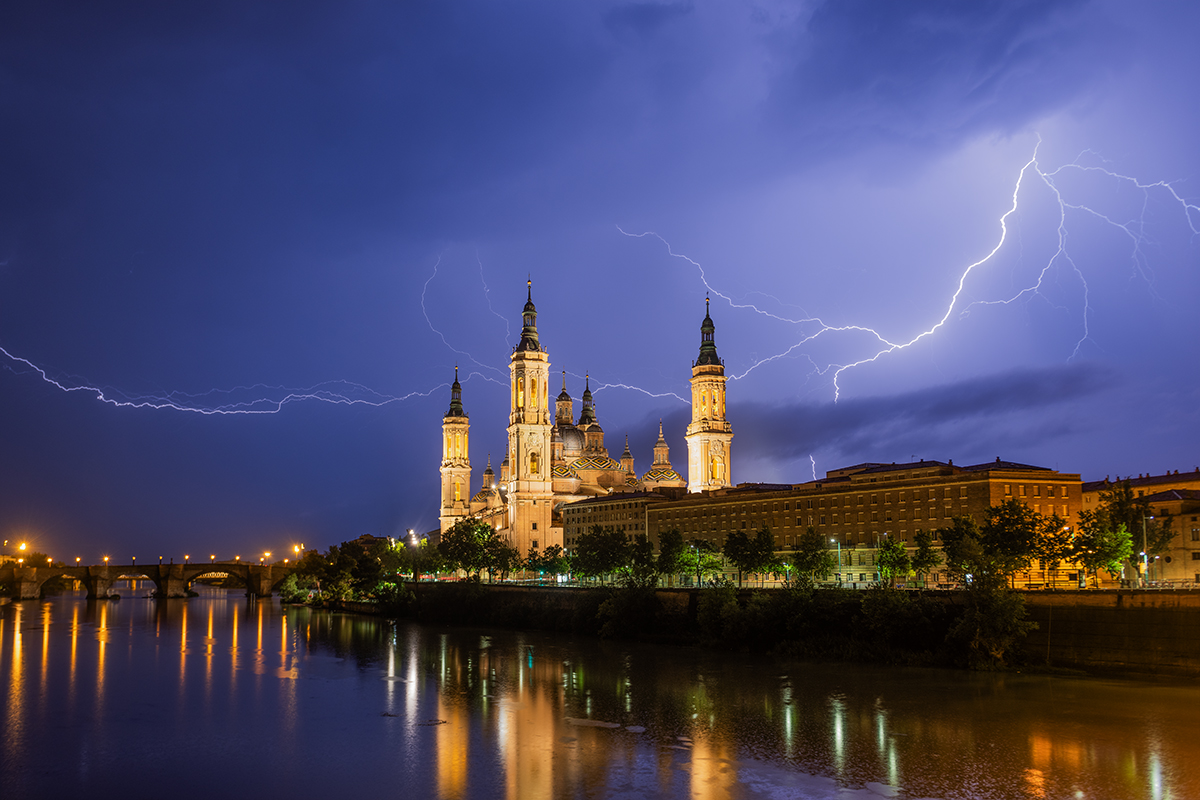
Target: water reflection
465	714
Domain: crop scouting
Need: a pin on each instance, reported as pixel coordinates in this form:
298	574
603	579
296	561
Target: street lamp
106	561
77	561
133	560
212	559
838	542
185	558
1145	549
22	547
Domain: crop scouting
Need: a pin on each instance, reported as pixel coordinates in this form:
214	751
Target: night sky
315	210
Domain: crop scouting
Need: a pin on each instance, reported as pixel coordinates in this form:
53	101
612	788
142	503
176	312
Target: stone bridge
170	580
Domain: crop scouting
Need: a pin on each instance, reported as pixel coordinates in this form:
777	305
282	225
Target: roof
1009	465
1143	480
1172	494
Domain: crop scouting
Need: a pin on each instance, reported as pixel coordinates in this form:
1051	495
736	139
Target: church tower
530	496
456	461
709	434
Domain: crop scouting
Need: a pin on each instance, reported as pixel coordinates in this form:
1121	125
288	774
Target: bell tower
456	461
530	496
709	434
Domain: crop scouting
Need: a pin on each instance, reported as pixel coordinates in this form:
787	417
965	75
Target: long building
853	508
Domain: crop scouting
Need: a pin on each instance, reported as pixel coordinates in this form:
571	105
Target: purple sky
202	205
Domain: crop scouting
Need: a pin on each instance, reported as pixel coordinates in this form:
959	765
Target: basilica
554	459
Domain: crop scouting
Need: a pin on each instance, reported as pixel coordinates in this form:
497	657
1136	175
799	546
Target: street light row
296	549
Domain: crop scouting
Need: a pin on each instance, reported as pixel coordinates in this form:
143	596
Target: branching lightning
264	399
428	321
1134	229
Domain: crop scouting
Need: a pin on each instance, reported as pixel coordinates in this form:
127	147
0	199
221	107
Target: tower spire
529	333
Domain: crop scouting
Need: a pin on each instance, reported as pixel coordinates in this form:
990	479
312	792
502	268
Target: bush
992	624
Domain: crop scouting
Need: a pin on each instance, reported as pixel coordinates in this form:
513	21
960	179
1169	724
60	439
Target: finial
660	428
529	282
587	384
456	372
564	380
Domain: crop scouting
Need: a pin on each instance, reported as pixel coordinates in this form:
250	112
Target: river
221	696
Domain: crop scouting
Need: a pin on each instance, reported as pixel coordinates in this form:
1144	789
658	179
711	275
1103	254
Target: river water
220	696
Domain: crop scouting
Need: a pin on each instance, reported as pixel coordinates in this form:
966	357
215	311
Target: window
1194	531
1196	555
1021	490
1196	534
1008	490
535	528
962	491
1037	491
534	543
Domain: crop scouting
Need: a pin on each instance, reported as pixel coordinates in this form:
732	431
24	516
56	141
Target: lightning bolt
487	295
345	393
429	322
1133	229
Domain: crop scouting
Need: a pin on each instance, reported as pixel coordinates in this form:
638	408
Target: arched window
533	463
520	393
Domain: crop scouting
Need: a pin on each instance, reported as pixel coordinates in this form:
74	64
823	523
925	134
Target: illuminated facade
554	459
856	508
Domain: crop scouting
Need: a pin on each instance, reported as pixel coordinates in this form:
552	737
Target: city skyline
206	205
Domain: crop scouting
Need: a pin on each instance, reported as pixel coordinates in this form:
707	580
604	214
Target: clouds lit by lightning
1134	229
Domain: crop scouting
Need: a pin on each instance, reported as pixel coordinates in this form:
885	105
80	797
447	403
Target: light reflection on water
108	697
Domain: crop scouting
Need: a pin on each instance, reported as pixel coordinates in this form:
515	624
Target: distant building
1180	564
855	508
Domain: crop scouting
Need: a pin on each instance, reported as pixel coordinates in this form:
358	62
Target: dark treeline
617	580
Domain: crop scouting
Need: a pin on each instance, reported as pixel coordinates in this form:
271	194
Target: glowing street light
185	558
237	558
49	561
22	547
212	559
106	561
77	561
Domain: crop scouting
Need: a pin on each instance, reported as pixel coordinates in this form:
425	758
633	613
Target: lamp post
838	542
185	558
1145	550
212	559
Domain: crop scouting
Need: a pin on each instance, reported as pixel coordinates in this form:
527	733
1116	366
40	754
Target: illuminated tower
530	497
456	461
708	435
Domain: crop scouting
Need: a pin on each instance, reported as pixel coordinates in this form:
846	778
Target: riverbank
1116	632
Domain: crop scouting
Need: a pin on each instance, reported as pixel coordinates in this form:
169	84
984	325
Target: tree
739	552
702	558
1055	543
1119	506
600	551
642	568
812	560
894	561
1010	534
671	552
549	561
762	547
502	557
465	546
926	558
1101	546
